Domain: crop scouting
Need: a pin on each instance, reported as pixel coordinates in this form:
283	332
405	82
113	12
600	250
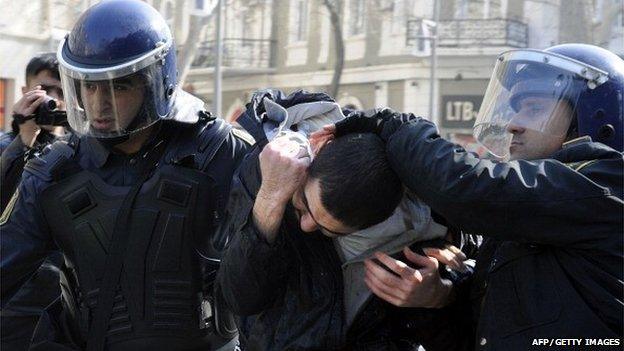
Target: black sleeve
541	201
251	270
25	241
11	166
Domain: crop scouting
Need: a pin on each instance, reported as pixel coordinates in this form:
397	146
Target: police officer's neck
135	142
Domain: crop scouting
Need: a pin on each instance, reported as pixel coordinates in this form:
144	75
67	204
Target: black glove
384	122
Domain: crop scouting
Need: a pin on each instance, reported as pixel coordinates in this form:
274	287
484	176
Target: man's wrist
268	212
270	196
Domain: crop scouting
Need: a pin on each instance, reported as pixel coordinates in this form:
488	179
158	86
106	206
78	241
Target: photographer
36	118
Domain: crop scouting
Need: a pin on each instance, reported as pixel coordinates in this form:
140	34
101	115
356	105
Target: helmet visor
529	90
112	107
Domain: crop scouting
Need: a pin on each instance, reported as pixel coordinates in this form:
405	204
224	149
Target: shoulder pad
45	163
199	143
243	135
211	139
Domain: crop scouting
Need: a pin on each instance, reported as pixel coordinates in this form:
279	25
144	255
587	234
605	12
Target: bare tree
335	10
603	21
186	53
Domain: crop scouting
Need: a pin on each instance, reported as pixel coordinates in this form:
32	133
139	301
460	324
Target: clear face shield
114	101
109	108
533	94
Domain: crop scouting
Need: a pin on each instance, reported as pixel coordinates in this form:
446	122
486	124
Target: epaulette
48	163
577	166
243	135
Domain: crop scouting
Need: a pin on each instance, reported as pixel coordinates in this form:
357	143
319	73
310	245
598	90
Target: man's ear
24	90
317	143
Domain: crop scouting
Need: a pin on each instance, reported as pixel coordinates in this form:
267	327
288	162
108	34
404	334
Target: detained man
295	256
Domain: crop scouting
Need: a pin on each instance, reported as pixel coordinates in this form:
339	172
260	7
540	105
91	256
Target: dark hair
358	187
43	62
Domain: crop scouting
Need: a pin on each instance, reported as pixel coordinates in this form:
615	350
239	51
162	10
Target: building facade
289	44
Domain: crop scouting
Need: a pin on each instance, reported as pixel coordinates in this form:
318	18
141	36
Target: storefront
460	101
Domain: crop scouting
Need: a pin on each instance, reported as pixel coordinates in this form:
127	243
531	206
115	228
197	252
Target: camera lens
50	103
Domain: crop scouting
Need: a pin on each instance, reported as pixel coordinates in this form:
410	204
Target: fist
283	165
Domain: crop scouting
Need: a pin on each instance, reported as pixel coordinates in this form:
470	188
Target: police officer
32	130
551	267
132	201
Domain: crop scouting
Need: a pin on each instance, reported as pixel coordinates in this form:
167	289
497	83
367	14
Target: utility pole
218	61
434	63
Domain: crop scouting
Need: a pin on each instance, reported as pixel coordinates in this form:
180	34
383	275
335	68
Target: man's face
312	215
528	143
111	106
51	85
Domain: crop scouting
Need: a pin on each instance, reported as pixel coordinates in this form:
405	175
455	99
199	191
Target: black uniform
135	232
19	317
556	270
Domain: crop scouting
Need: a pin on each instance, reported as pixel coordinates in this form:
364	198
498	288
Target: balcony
237	53
482	33
469	33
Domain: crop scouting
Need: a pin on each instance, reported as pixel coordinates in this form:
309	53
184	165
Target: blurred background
430	57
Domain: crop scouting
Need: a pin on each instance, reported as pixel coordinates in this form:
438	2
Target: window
298	20
477	9
356	17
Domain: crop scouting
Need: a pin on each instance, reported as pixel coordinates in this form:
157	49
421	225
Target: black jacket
557	269
27	237
290	292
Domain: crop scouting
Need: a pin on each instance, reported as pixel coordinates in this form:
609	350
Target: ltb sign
460	111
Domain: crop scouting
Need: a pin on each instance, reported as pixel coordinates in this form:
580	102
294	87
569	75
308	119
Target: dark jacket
557	270
19	317
6	139
13	157
26	230
290	292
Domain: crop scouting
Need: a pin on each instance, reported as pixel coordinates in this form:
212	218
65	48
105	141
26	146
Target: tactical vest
163	300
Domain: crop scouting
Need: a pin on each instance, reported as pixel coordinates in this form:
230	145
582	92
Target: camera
48	114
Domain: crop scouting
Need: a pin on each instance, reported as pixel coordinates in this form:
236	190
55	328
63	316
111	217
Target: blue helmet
118	69
564	91
599	111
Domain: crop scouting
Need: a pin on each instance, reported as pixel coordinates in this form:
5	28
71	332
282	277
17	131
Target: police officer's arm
541	201
11	167
25	241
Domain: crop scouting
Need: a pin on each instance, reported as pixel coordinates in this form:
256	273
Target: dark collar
586	151
99	154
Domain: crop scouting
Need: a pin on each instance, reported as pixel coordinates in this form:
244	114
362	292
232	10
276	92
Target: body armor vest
162	299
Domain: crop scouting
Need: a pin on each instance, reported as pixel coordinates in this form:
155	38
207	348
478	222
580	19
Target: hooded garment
411	222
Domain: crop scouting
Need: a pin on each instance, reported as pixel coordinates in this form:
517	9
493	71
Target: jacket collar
585	151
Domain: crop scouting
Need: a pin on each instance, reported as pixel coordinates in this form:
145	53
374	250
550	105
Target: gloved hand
384	123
